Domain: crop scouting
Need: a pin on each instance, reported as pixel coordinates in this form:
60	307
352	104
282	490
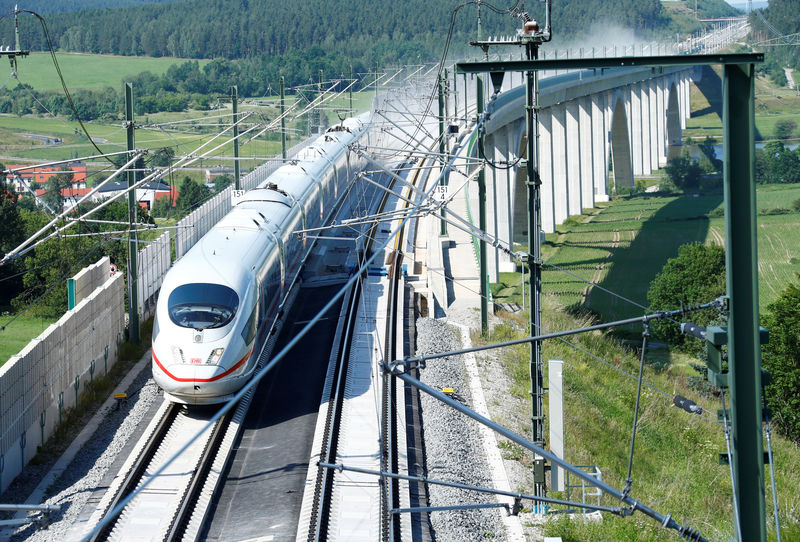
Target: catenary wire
61	76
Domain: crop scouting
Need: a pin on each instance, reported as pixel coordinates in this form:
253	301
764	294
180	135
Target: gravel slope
452	444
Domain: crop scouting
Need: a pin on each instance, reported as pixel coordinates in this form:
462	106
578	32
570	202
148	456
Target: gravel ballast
85	473
453	453
452	444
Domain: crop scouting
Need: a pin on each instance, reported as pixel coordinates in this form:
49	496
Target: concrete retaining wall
88	279
46	377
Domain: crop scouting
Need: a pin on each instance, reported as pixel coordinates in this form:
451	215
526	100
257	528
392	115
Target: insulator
686	404
690	328
531	27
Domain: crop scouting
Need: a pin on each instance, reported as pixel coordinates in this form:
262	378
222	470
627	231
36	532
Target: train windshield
202	306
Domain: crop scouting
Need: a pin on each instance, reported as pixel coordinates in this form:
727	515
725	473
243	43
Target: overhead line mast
531	37
12	54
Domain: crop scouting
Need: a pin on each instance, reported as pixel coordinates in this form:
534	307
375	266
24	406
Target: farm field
111	138
362	101
182	135
98	71
87	70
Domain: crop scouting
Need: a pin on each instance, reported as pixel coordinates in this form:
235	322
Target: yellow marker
120	395
448	390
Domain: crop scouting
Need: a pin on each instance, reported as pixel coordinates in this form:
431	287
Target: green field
362	101
772	104
184	137
97	71
19	333
86	70
628	238
111	138
624	244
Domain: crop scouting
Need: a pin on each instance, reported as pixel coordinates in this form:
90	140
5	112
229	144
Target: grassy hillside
87	70
684	19
634	237
675	467
675	464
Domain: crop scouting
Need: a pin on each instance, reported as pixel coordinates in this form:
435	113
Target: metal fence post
133	271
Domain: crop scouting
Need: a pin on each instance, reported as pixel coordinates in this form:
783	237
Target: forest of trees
383	32
782	15
255	42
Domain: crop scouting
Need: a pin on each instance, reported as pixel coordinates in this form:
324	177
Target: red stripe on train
226	373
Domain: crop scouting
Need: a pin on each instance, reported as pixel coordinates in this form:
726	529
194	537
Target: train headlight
215	356
177	354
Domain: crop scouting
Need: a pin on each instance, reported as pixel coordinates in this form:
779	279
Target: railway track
175	505
161	510
362	314
167	508
336	404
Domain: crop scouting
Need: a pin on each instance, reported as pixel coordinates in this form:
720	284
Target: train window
249	331
202	305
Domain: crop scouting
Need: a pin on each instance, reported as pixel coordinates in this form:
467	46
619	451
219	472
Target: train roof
227	253
230	250
312	159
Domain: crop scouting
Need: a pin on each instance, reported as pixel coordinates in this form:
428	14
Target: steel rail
185	492
323	488
136	472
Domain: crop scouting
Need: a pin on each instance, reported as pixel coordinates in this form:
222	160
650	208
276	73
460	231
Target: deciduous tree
191	195
784	128
684	172
781	357
695	276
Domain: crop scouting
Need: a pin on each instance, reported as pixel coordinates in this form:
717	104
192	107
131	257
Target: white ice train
223	296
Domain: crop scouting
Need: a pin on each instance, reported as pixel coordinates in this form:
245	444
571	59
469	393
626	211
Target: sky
742	4
756	3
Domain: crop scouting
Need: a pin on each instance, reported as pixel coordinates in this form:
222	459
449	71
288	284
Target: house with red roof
42	174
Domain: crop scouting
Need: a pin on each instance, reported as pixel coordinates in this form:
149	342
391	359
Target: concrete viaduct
591	122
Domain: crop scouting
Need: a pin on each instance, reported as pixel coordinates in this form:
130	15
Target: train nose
188	376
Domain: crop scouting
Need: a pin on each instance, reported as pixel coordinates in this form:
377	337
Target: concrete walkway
452	262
